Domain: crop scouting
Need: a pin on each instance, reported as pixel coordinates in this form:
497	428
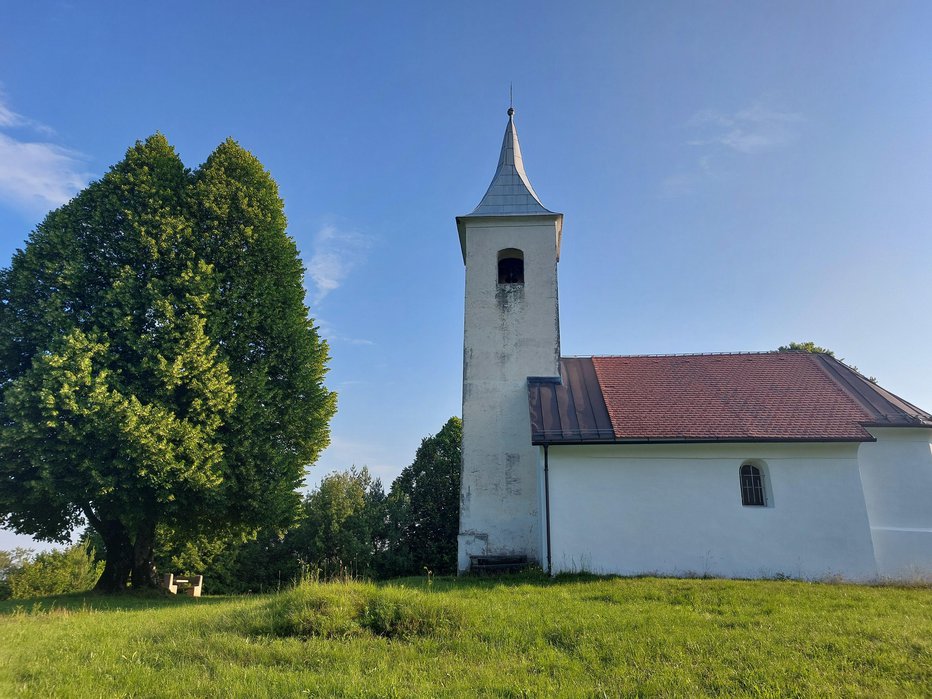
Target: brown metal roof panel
576	394
887	407
591	415
568	409
534	408
550	410
566	404
601	423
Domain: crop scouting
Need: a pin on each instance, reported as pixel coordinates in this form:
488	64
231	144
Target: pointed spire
510	191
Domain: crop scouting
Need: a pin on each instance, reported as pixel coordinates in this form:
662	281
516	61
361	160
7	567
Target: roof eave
540	442
461	227
921	424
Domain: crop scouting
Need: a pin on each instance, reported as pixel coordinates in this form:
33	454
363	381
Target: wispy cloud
8	117
755	129
336	253
11	120
758	128
35	175
332	335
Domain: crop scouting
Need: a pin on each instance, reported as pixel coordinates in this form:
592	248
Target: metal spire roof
510	192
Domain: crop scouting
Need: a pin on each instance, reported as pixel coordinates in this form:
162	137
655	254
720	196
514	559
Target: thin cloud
8	117
12	120
36	176
755	129
684	182
758	128
331	335
335	255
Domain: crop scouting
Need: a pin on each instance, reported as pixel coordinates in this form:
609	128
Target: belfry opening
510	266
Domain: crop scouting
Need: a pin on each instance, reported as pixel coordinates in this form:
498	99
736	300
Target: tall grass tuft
350	609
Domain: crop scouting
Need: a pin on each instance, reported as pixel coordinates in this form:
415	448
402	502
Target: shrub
10	563
55	572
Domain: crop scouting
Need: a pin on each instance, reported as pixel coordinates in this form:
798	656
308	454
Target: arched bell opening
510	266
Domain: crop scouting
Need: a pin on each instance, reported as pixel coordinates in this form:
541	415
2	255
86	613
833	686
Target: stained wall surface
511	332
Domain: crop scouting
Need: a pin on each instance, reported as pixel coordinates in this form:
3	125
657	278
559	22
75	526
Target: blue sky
733	175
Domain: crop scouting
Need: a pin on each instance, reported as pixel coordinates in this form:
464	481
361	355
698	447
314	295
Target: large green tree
423	506
159	375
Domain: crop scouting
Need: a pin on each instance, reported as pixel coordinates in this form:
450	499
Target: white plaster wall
897	474
511	332
676	510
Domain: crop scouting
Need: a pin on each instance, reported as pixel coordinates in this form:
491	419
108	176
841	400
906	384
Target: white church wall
511	332
897	474
676	510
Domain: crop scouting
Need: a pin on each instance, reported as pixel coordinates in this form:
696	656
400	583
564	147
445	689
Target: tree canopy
424	505
343	520
809	346
159	376
813	348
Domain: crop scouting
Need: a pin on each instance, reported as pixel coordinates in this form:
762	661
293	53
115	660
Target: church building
742	465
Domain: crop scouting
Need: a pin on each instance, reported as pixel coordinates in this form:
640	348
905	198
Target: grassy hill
521	636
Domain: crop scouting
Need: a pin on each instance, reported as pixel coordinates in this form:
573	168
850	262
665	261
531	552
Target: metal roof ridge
680	354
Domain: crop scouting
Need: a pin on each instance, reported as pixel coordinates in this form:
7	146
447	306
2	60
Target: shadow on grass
97	601
538	578
156	599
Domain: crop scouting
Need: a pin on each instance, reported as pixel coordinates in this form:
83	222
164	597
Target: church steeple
510	192
511	245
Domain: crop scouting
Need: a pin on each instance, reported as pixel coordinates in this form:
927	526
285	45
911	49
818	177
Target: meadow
516	636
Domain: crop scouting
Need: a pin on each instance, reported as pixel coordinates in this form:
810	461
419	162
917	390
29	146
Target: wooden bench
490	565
190	585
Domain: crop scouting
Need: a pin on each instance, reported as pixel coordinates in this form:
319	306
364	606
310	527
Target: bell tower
511	246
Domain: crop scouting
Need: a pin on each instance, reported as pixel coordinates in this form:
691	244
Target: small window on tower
510	266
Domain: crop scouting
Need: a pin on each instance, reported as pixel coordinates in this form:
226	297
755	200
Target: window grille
752	486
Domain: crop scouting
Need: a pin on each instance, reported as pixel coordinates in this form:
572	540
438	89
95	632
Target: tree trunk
144	557
119	561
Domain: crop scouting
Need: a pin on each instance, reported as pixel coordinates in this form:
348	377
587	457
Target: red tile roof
750	396
716	397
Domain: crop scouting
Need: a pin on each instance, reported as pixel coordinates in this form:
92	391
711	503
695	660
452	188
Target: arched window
510	266
752	486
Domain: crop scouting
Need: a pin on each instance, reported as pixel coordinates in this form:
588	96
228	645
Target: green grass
511	637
